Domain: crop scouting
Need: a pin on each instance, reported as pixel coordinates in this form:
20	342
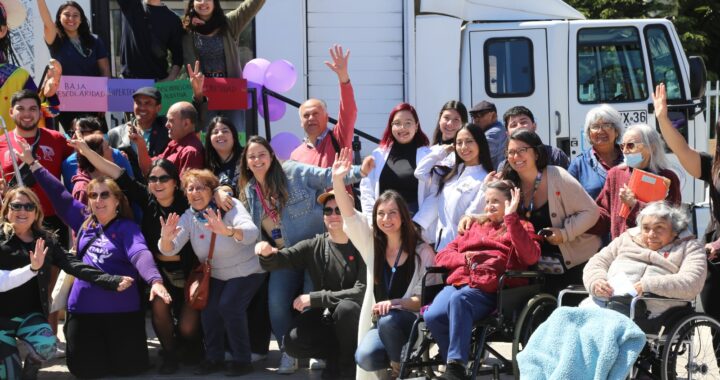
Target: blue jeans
384	343
284	286
226	314
450	318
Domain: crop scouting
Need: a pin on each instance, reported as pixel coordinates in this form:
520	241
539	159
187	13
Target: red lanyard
271	213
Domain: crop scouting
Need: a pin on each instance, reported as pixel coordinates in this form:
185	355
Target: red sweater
492	253
323	155
609	199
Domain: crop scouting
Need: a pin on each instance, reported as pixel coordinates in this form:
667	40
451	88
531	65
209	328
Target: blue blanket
582	343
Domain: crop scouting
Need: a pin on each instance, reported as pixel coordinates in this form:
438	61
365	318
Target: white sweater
11	279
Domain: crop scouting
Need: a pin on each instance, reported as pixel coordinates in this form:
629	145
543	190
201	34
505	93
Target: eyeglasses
162	179
517	152
327	211
630	145
191	189
603	126
22	206
102	195
407	125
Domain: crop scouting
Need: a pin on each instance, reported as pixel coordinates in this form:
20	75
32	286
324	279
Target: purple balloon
276	108
280	76
255	69
283	144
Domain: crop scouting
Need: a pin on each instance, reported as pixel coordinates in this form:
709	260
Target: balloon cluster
278	76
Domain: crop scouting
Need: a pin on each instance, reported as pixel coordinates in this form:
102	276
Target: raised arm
340	169
99	162
49	27
689	158
347	116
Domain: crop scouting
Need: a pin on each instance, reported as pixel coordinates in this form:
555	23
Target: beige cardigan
361	235
573	211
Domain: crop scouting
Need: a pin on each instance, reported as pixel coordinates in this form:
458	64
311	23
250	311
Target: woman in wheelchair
498	241
659	256
396	258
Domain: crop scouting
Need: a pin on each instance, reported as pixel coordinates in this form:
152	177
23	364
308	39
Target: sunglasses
630	145
103	195
22	206
327	211
162	179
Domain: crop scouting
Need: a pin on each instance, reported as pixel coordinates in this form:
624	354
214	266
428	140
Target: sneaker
238	369
209	366
316	364
288	364
168	363
454	371
254	358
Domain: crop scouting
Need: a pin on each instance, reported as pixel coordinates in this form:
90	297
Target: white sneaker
288	365
316	363
257	357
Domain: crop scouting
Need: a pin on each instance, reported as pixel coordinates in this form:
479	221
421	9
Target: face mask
633	160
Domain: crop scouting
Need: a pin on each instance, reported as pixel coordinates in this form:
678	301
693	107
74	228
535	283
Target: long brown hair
409	234
7	227
275	179
123	210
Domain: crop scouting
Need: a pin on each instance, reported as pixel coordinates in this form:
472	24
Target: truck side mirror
698	77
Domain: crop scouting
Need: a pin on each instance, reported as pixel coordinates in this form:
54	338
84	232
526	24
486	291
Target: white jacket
11	279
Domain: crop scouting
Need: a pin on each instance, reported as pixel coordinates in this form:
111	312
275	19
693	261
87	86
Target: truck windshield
610	66
663	63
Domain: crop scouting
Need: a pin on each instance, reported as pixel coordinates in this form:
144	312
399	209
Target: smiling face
145	109
388	217
333	222
198	194
221	139
602	134
102	202
313	118
22	220
518	122
449	123
204	8
521	156
259	159
495	205
161	190
467	148
404	126
656	232
26	114
176	125
70	19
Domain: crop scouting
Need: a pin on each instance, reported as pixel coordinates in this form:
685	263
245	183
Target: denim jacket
302	217
589	172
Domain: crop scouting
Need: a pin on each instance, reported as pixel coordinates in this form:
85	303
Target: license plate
634	117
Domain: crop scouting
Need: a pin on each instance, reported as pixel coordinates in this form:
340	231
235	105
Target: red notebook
647	187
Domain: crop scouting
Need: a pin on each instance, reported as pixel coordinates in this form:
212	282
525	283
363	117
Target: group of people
143	203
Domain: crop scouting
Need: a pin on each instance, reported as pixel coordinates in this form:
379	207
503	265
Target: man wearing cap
484	114
147	102
322	143
327	327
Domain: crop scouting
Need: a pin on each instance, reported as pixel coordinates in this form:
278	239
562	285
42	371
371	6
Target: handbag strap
212	246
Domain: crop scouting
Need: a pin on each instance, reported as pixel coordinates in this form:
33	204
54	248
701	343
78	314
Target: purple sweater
120	249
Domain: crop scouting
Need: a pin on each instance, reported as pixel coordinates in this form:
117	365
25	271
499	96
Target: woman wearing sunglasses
109	240
236	272
158	199
281	200
643	149
25	246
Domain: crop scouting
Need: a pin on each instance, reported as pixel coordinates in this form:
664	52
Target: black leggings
106	344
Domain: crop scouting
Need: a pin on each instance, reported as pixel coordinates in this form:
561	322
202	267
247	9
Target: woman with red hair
402	146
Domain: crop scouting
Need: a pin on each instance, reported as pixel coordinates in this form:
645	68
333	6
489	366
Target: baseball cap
148	91
322	198
14	13
483	107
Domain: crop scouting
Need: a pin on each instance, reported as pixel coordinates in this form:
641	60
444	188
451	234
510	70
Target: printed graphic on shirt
98	252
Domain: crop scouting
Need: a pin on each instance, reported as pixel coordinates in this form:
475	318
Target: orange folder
647	187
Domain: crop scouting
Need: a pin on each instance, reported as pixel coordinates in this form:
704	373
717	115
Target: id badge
276	234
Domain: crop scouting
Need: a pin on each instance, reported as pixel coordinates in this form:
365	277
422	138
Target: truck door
512	70
607	66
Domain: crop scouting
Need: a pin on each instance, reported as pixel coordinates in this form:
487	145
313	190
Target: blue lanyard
392	270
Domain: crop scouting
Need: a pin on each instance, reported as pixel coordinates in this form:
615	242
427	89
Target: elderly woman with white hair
659	256
643	149
603	129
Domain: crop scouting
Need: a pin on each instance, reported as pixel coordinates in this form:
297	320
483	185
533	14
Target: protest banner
226	94
120	93
83	94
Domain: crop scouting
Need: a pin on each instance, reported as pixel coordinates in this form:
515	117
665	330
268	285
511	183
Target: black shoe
239	369
209	366
168	363
454	371
30	369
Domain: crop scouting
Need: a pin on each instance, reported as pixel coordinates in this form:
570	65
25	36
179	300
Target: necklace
530	208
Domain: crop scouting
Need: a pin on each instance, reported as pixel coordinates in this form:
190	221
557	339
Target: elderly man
322	143
484	114
147	102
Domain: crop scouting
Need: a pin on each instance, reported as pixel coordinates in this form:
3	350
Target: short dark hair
25	94
517	111
533	140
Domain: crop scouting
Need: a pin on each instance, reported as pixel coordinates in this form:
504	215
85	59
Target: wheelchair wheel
691	349
537	310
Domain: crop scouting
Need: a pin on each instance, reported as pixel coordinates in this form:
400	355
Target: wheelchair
520	310
685	346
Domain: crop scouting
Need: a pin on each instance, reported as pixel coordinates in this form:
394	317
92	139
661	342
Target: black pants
310	337
105	344
259	320
711	291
